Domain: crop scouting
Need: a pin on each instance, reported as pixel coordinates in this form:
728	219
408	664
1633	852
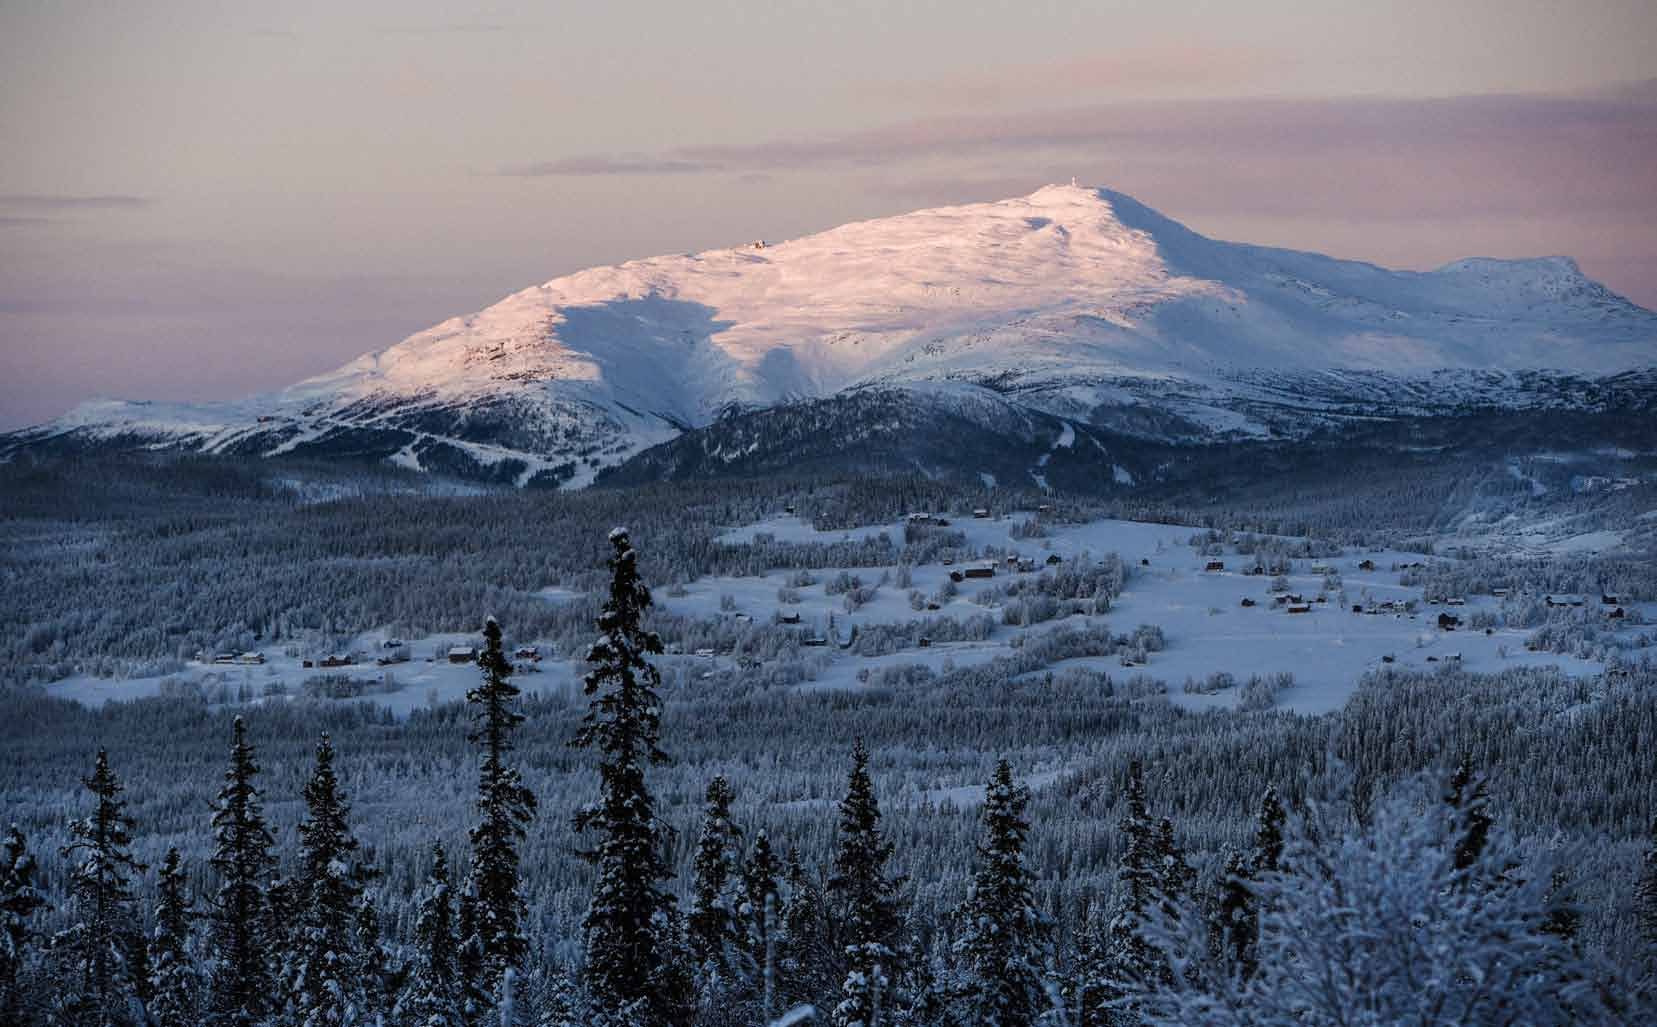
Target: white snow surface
1200	612
1060	294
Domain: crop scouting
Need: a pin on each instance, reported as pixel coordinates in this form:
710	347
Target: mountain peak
1077	299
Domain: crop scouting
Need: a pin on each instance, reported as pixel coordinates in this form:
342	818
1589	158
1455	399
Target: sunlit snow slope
1072	302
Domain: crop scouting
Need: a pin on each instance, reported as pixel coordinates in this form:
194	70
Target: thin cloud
1178	67
1357	158
10	221
51	201
604	164
456	28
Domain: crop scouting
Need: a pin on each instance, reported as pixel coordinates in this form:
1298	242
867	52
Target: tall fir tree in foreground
328	989
175	982
20	900
505	806
102	954
866	902
712	923
1003	946
241	990
629	972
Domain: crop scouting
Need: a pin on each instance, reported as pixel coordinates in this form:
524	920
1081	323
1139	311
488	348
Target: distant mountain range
983	340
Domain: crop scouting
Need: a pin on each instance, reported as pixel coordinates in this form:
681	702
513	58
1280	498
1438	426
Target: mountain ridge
1076	303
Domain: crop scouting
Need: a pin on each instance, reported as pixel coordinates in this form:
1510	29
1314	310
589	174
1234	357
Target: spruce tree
20	900
561	1004
1235	917
328	990
1003	946
473	983
1092	985
241	989
505	806
102	951
866	902
1129	958
1563	919
1237	910
1175	873
712	925
175	983
761	905
629	923
1268	834
374	965
1466	794
803	949
432	995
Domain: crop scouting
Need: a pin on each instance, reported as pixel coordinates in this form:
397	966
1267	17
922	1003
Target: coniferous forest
1450	847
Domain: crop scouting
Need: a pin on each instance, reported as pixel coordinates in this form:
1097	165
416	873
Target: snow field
1200	612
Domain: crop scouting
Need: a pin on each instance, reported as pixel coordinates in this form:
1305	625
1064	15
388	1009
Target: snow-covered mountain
1068	308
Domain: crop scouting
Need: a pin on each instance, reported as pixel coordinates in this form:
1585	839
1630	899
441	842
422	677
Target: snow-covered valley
1214	621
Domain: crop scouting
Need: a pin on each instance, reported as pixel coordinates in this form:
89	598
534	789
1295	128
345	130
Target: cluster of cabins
1291	602
239	659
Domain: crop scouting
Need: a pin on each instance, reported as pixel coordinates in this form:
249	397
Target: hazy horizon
199	204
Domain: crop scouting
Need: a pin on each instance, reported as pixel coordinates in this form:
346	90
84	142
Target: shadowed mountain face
956	337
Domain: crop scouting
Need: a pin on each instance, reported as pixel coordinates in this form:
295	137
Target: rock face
1006	326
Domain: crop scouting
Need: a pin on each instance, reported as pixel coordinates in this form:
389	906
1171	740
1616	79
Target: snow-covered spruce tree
804	950
761	903
711	923
1128	957
1268	833
1090	986
561	1003
1236	907
1377	924
100	956
1563	919
1233	923
374	963
241	990
866	905
1466	795
328	989
505	806
175	981
20	900
472	979
1176	874
630	920
1003	947
431	996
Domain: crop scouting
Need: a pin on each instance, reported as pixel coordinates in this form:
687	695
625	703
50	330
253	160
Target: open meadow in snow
1221	619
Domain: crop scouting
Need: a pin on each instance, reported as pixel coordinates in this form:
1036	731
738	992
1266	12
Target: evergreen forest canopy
1450	848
